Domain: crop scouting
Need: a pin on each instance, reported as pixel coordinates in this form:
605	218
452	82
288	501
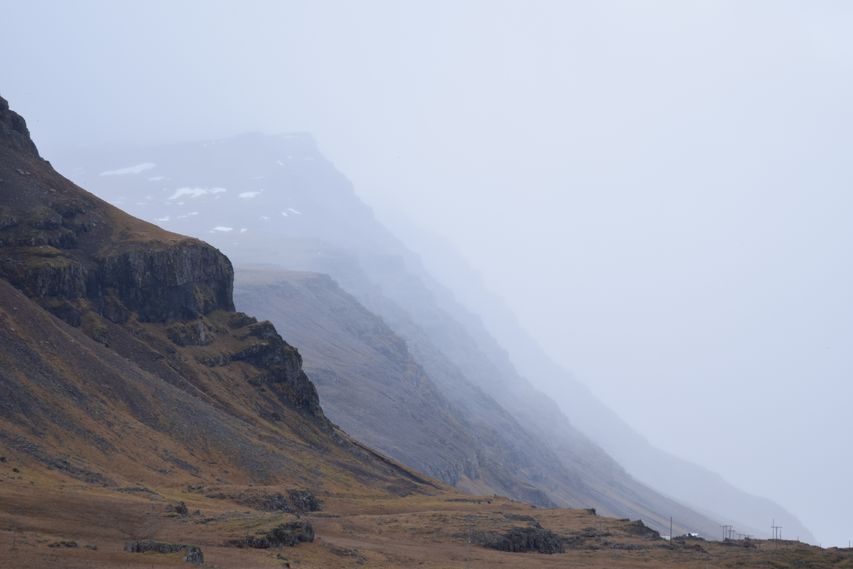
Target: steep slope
275	199
144	423
688	483
359	362
123	359
356	361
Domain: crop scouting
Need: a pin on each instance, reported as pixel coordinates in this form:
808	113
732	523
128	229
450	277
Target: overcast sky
662	191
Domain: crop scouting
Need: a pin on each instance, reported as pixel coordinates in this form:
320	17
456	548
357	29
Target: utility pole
671	545
777	532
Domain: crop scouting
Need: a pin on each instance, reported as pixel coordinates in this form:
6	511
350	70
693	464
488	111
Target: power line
777	532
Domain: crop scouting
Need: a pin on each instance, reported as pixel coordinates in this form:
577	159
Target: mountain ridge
180	436
267	199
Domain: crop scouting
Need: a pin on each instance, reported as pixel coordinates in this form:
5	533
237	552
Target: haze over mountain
682	169
276	200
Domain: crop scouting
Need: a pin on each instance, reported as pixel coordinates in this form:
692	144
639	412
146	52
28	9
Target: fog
661	191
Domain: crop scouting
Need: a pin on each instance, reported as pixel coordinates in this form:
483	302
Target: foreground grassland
48	521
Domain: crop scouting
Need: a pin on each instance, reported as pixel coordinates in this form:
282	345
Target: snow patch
195	192
166	218
138	169
296	211
284	213
186	215
223	229
154	178
249	195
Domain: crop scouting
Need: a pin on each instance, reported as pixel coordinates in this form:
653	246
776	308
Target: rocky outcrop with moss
93	266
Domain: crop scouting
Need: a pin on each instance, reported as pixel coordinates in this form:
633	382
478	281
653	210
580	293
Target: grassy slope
106	423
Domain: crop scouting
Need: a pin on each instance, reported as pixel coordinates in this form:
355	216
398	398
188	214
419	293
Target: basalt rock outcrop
284	535
123	362
92	265
190	553
65	248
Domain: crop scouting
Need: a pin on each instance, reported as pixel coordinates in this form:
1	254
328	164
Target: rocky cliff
120	341
277	200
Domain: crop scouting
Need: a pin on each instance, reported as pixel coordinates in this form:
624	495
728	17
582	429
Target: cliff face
356	361
123	358
73	252
278	200
13	130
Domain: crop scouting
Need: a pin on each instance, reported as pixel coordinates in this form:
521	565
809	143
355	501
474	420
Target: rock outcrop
191	553
524	540
284	535
14	131
81	258
127	363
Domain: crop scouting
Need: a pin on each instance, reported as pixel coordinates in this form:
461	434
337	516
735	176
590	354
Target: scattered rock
524	540
353	554
180	509
293	502
303	501
64	543
284	535
138	490
638	528
745	543
196	333
192	553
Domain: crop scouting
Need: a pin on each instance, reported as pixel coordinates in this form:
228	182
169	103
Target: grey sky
662	190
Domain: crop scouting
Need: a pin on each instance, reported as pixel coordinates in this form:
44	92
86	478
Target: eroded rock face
13	129
281	366
62	244
181	282
94	266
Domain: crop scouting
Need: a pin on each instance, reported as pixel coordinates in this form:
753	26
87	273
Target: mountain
144	422
276	200
123	361
690	484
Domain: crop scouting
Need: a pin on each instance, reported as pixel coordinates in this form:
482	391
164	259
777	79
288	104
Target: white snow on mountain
223	229
195	192
137	169
249	195
296	211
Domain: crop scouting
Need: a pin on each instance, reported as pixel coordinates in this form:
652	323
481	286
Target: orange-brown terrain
146	423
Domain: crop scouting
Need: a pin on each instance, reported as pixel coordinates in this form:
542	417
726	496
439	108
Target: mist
660	191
